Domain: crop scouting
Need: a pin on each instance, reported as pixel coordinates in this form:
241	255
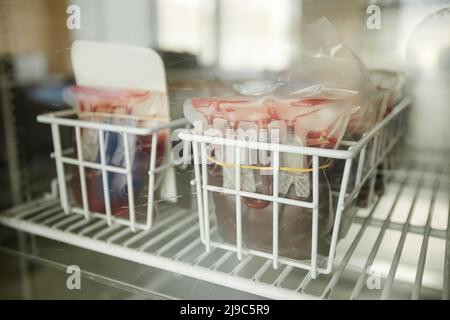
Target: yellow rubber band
285	169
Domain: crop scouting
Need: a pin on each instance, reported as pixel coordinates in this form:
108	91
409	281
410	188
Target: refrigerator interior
397	248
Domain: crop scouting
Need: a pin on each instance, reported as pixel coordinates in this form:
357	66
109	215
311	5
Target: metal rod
128	166
339	209
326	153
438	233
26	287
261	270
446	286
360	283
304	283
58	118
186	151
166	232
423	250
159	225
151	181
10	134
33	209
373	160
103	232
94	226
205	196
198	188
92	165
368	175
149	259
275	211
266	146
86	274
348	254
362	157
105	181
315	216
44	214
221	260
68	220
84	196
237	179
60	168
291	262
114	220
178	239
118	235
242	265
54	218
282	276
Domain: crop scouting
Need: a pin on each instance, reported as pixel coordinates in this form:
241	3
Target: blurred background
196	38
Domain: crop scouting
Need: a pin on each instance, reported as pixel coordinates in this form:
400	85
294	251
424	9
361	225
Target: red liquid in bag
295	223
117	182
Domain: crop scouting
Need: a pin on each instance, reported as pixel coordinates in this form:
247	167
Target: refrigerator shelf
414	270
68	119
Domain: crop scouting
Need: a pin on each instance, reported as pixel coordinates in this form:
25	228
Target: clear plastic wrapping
135	108
325	94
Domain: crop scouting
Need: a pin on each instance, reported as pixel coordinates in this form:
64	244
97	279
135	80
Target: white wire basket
361	159
68	119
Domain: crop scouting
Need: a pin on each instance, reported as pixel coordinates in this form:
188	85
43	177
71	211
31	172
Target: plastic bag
327	60
388	83
132	108
325	94
390	87
314	122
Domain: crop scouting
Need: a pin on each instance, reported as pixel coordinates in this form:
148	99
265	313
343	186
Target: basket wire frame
367	154
62	119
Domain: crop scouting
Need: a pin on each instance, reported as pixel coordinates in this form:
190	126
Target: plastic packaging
329	61
136	108
313	122
323	94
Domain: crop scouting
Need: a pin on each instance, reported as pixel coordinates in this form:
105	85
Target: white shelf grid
391	285
65	118
375	145
173	245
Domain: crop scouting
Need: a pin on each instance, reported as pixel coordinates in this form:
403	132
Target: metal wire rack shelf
66	118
